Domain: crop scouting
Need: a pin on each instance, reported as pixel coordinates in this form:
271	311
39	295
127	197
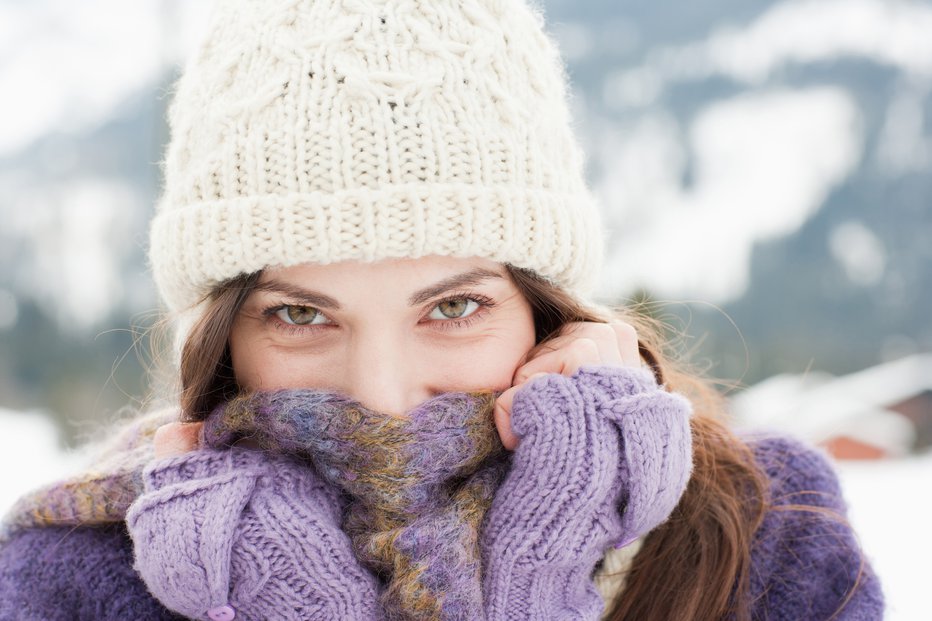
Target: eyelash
485	304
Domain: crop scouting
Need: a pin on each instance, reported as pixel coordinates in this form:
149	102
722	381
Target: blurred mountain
851	284
838	279
813	301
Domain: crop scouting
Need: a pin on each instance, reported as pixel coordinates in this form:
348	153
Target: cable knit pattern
420	486
657	443
571	473
326	130
417	492
256	532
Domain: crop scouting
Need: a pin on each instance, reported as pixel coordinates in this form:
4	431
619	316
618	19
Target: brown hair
693	566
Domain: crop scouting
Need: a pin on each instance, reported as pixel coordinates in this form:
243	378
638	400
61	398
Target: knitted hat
316	131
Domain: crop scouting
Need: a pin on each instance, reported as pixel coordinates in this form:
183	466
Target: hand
604	457
176	439
581	343
236	531
179	438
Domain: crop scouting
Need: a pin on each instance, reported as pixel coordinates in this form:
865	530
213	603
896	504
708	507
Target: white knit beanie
316	131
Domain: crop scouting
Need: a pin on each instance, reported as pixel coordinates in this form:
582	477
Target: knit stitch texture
103	492
258	533
418	487
327	130
804	564
605	474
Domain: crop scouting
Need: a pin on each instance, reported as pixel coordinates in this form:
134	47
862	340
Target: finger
585	352
617	341
502	415
627	340
176	439
565	360
604	335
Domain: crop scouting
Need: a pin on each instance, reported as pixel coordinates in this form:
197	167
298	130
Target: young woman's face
389	334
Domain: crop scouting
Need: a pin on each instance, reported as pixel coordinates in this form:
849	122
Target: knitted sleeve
237	533
806	563
74	574
604	457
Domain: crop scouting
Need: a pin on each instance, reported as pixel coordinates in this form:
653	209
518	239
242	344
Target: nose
385	378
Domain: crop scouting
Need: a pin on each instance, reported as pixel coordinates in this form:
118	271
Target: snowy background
765	169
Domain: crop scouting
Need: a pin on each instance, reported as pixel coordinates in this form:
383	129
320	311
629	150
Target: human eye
295	317
459	311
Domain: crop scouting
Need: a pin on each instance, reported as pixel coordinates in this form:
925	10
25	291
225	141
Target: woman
397	399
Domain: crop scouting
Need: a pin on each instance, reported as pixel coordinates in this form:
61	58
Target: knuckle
625	330
571	327
177	433
168	430
604	331
583	346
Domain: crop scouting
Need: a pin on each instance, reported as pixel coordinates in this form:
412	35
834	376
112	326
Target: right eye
299	315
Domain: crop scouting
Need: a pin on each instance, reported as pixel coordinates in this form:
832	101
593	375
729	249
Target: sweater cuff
202	463
609	383
597	387
555	592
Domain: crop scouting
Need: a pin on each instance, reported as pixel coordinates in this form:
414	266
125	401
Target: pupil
455	308
301	314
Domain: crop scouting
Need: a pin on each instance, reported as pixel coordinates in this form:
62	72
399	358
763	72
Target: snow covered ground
30	454
890	504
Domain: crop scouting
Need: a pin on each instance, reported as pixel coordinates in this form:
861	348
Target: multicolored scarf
417	487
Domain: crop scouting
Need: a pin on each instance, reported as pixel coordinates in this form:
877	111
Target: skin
394	355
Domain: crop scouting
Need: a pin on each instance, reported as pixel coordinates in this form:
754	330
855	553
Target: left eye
299	315
454	309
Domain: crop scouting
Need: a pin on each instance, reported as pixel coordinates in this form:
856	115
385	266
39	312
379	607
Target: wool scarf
416	488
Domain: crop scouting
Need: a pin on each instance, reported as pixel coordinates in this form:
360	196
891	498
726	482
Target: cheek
491	370
268	368
247	361
504	360
491	363
259	364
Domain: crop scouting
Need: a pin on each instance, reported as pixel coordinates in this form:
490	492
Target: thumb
503	414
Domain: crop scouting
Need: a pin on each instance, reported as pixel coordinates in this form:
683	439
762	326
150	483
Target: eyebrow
319	300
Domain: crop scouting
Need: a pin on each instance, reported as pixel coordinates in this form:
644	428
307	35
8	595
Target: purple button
221	613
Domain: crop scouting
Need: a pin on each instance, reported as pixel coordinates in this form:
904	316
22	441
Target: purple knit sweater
803	564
